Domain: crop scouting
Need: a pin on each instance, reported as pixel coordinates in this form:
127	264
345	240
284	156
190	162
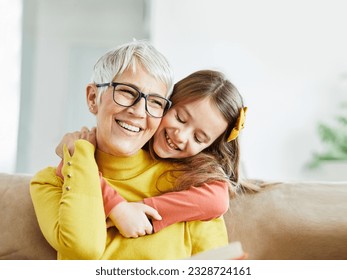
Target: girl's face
188	128
122	131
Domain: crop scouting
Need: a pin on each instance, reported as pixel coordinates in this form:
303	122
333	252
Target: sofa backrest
20	235
300	221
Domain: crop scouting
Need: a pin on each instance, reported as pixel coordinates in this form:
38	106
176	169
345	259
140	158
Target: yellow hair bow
240	124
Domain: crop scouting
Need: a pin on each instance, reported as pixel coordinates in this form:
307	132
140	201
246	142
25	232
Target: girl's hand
70	138
131	218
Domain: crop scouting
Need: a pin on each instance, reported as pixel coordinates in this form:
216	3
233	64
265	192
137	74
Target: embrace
152	180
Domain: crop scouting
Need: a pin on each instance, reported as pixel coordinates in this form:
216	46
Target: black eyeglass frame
141	94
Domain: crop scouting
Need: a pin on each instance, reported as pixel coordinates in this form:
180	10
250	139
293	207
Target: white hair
116	61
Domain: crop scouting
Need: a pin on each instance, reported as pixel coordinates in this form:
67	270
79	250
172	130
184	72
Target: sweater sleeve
202	203
70	212
110	196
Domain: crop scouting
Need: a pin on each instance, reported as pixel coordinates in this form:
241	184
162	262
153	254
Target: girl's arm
202	203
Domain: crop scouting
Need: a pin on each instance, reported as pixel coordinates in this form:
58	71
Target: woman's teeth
129	127
169	142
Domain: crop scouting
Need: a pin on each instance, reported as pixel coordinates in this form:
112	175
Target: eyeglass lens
127	96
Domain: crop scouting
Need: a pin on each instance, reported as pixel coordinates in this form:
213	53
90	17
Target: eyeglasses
127	96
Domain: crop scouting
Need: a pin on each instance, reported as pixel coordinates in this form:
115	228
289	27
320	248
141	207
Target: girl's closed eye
179	118
197	140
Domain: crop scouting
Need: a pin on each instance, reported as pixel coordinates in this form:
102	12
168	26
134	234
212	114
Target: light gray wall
10	60
288	59
61	42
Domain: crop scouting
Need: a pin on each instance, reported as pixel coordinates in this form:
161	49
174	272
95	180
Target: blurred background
287	58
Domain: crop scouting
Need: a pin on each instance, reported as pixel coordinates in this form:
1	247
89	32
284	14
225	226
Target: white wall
10	57
61	42
288	59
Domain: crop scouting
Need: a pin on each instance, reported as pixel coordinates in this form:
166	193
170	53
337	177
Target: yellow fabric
71	214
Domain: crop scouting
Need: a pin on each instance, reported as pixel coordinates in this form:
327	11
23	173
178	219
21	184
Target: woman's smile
129	127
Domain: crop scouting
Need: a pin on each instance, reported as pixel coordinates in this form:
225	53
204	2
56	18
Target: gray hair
116	61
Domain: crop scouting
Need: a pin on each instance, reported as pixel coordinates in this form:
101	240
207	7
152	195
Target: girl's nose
181	135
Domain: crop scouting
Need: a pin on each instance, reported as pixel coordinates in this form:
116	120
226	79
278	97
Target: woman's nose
139	109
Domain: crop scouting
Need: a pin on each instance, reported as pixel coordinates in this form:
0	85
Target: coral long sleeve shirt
202	203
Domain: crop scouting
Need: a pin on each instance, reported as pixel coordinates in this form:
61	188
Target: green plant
334	139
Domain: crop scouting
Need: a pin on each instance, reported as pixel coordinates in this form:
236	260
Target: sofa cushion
20	235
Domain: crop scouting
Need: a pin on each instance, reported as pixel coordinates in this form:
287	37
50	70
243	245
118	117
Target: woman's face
122	131
188	128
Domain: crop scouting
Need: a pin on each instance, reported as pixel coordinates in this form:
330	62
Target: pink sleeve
110	196
58	170
202	203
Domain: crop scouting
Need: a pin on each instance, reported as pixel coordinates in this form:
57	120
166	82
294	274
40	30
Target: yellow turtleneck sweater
71	213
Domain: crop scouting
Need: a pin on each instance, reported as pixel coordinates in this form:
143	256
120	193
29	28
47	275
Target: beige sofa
284	221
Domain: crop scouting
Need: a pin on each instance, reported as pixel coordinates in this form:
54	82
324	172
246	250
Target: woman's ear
92	94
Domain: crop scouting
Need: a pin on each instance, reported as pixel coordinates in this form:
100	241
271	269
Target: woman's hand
70	138
131	218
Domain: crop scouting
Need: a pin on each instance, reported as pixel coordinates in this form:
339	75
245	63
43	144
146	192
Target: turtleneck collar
123	167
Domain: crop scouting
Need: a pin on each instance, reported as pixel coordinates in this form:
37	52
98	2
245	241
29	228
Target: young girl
207	169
